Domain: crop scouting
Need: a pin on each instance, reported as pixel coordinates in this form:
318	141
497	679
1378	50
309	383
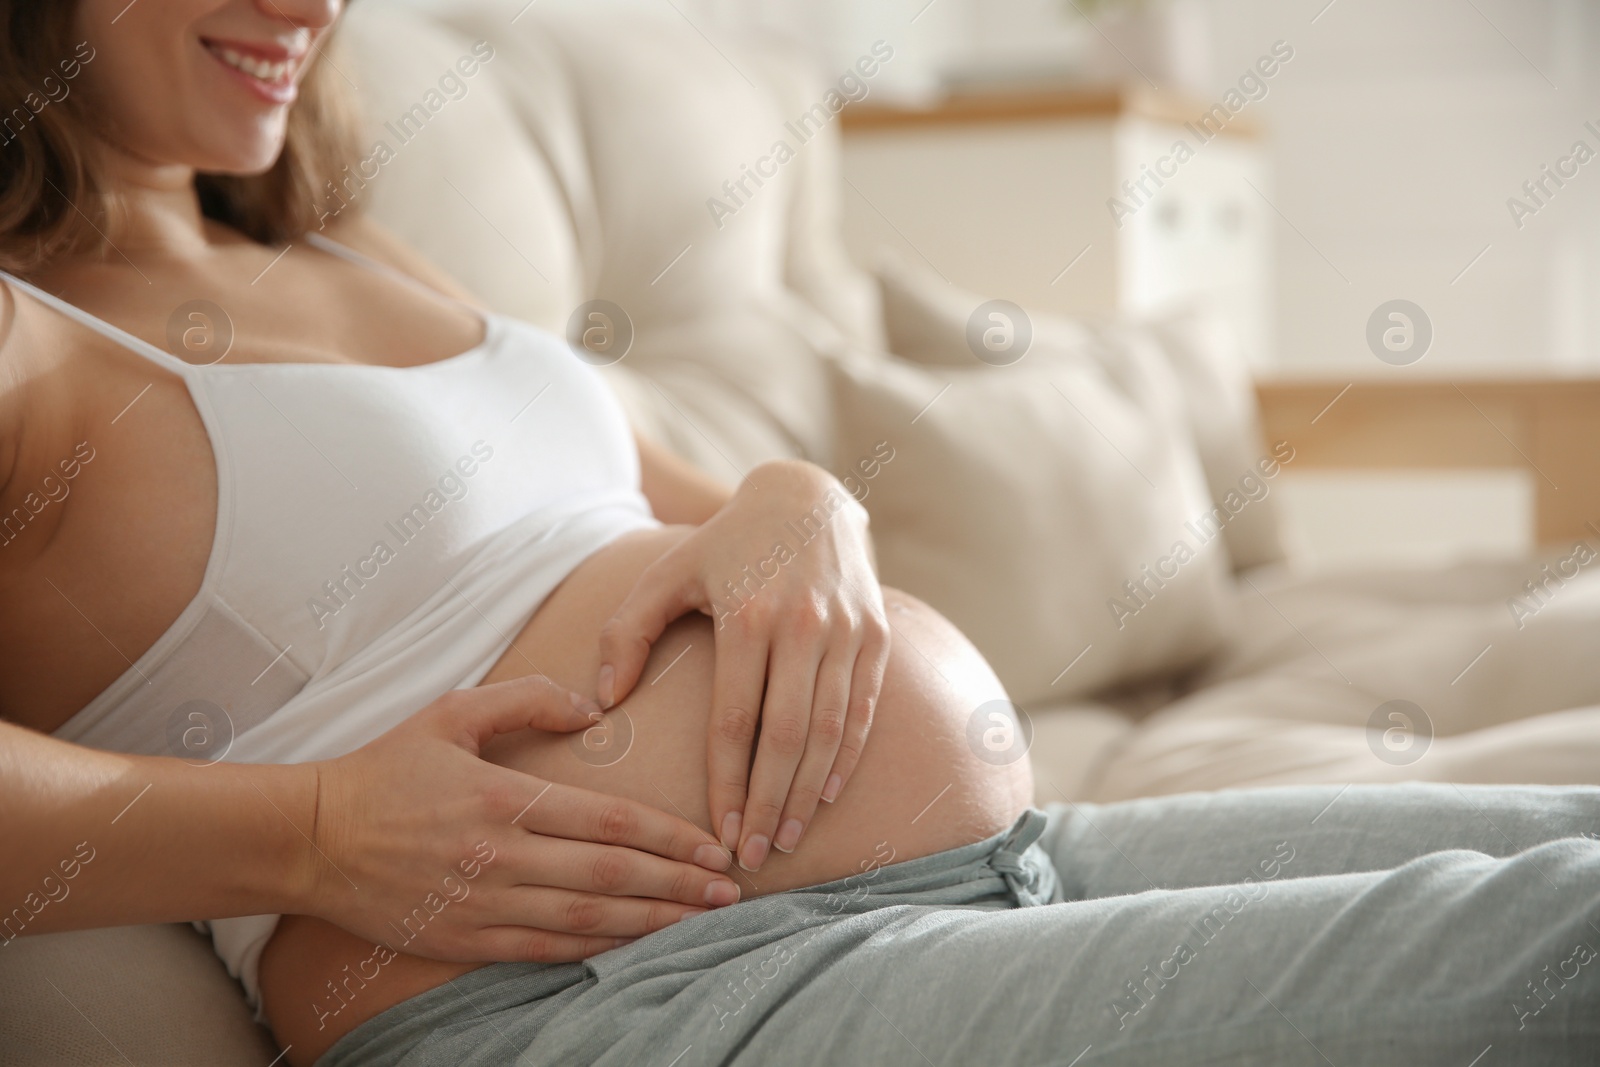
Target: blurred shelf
1548	426
1424	375
974	107
1070	199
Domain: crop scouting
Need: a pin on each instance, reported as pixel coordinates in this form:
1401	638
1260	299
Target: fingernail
591	711
713	858
754	853
607	685
830	790
732	823
721	893
692	912
788	835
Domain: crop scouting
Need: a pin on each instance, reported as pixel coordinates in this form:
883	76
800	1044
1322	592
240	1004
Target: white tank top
382	534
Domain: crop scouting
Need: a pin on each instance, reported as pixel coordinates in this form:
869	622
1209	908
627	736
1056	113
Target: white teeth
259	69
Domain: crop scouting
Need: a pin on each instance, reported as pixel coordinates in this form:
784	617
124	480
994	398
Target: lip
281	92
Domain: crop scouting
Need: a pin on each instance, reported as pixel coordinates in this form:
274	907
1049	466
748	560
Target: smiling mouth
275	74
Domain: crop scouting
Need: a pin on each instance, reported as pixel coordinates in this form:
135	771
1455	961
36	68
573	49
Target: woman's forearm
101	839
91	838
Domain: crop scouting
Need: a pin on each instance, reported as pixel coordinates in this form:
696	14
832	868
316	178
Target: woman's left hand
785	570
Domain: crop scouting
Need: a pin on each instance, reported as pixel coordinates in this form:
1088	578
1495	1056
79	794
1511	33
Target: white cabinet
1023	197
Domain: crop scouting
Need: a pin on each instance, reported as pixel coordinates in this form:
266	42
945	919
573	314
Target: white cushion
1299	695
1220	401
1020	499
926	320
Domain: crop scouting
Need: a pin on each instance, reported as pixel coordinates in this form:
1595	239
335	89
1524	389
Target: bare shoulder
361	233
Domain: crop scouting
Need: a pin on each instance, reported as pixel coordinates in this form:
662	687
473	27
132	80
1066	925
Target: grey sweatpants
1373	925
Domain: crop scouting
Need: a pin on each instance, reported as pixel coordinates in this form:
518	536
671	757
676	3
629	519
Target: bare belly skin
919	787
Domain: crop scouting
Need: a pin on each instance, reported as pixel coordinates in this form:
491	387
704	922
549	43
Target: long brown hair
51	201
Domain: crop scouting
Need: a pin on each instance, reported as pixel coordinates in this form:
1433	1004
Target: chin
242	160
242	168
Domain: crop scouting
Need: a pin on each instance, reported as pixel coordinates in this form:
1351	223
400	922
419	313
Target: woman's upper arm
678	491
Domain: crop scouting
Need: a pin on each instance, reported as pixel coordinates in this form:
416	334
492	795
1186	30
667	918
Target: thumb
665	591
533	702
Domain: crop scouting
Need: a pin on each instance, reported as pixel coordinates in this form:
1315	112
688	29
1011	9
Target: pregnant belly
919	787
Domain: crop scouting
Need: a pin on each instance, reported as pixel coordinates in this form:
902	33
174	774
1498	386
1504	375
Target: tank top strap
360	259
137	345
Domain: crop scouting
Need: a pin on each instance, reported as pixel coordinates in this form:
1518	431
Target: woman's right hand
506	866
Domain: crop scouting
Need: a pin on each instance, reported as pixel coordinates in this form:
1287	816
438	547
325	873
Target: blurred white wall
1400	131
927	36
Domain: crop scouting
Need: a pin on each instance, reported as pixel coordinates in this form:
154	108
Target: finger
664	592
785	724
593	914
519	944
865	684
532	702
736	688
828	706
585	867
581	815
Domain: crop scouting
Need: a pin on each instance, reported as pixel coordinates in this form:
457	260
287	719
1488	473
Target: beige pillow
1043	508
1241	468
126	994
927	320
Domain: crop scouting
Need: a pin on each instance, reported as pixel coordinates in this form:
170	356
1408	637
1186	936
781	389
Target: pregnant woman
266	492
